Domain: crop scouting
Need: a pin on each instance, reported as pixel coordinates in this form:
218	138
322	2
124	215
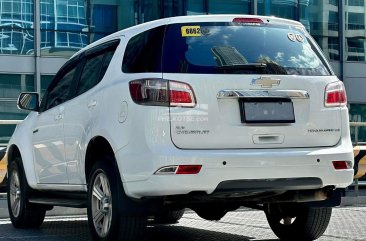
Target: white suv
209	113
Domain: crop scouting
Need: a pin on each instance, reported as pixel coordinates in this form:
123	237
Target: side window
59	91
95	67
107	59
144	52
90	75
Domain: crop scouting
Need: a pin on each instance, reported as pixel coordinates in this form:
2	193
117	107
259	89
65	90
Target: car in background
208	112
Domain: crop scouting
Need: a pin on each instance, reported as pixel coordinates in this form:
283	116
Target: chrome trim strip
236	94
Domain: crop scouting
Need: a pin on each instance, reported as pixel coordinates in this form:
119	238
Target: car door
82	110
48	137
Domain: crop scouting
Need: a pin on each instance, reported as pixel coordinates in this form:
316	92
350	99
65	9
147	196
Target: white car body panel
218	124
49	146
144	138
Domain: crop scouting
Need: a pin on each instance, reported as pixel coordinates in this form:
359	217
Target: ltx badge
266	82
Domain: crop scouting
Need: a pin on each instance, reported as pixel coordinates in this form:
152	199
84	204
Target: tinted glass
97	61
60	91
107	59
240	49
90	76
143	52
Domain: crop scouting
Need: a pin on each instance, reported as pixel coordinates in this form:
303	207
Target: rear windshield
229	48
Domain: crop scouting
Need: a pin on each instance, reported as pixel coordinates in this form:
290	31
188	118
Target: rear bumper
249	192
137	169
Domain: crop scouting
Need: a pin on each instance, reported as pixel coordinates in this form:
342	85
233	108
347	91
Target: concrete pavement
347	224
62	211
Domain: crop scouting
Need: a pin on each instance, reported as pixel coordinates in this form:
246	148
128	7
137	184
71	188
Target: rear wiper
243	66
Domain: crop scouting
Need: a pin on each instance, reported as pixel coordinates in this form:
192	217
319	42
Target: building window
11	85
333	48
355	49
103	21
173	8
284	9
356	2
357	113
321	19
64	28
355	31
229	6
333	21
356	21
16	27
196	7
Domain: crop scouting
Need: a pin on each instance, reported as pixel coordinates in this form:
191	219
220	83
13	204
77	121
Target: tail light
181	94
335	95
160	92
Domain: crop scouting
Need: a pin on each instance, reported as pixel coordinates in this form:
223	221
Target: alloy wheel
15	193
101	205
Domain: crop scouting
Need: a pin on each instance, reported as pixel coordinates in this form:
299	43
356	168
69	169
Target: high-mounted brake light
248	20
160	92
335	95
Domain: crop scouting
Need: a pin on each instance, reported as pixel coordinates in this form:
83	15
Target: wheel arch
97	147
12	153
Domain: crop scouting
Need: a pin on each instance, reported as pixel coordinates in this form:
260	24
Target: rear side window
144	52
96	64
231	48
90	76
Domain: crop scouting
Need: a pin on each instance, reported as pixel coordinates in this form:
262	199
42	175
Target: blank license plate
265	111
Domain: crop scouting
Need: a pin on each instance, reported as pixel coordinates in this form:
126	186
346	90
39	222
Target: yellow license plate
191	31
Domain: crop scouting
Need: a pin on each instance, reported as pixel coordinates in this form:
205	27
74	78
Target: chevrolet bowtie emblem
266	82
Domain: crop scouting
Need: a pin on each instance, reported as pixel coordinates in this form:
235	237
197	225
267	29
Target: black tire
22	213
299	223
169	216
118	225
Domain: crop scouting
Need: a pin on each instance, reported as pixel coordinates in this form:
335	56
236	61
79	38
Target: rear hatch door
255	86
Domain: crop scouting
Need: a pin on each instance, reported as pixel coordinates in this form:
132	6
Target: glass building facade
37	37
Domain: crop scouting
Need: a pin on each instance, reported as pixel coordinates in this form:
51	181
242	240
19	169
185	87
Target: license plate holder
266	110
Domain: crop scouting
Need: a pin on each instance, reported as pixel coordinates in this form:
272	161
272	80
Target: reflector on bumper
181	169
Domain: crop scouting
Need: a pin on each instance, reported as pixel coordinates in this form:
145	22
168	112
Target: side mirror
28	101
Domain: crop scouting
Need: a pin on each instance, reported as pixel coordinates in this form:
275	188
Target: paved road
348	224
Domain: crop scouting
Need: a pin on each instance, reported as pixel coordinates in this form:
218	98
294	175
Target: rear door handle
92	104
60	113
